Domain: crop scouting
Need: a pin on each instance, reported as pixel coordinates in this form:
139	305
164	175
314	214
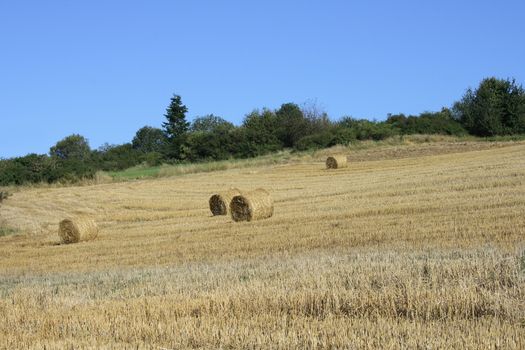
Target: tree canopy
175	127
149	139
210	123
73	147
496	107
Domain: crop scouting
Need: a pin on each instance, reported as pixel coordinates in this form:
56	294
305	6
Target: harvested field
409	249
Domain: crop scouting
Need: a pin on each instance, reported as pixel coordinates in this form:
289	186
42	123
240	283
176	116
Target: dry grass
420	247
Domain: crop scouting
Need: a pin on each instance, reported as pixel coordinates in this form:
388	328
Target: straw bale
73	230
336	162
220	202
252	205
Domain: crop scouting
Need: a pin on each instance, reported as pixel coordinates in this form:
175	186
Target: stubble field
409	247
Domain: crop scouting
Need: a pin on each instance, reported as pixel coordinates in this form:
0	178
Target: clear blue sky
104	69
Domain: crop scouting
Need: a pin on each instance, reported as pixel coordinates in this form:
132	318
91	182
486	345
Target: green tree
259	133
316	117
292	124
210	139
496	107
210	123
117	157
32	168
73	147
175	127
363	129
427	123
73	158
149	139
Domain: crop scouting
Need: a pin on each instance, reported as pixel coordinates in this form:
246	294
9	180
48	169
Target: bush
337	135
315	141
32	168
292	124
367	130
116	157
153	158
205	145
427	123
496	107
259	134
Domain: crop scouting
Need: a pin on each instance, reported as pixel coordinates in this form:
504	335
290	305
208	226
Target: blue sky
104	69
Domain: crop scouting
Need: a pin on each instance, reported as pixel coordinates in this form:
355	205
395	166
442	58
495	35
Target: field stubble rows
421	251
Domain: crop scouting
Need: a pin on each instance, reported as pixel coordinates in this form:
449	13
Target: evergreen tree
175	127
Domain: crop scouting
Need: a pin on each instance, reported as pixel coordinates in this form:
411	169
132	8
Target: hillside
410	246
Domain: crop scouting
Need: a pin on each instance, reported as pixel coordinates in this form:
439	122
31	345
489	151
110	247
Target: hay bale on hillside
252	205
220	202
336	162
77	229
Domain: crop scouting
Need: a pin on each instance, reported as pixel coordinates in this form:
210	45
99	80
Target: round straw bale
253	205
77	229
220	202
336	161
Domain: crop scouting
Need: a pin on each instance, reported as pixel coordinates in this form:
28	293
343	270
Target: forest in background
495	108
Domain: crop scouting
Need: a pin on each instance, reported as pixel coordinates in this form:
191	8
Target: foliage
73	147
210	123
427	123
315	141
175	127
117	157
335	135
70	160
317	118
366	129
206	145
260	134
292	125
32	168
149	139
496	107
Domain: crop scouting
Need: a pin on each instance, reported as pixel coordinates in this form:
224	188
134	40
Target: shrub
367	130
315	141
496	107
32	168
427	123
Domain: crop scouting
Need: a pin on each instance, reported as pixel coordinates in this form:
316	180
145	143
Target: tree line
496	107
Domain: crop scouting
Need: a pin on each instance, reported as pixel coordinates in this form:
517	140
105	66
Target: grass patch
5	231
142	172
136	172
